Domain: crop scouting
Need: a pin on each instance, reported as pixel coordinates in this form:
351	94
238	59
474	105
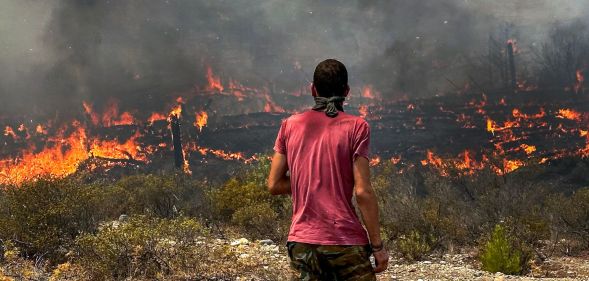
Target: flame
374	161
110	116
176	111
270	106
93	116
64	153
40	129
156	116
529	149
569	114
367	92
491	126
214	81
510	166
518	114
201	120
396	159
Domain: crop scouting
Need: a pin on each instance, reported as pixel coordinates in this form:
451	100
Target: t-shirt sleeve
361	141
280	143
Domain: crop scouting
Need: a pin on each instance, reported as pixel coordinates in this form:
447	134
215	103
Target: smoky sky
56	54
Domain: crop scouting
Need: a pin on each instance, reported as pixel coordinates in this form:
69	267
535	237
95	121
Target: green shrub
571	216
414	246
142	247
500	254
43	217
163	196
244	202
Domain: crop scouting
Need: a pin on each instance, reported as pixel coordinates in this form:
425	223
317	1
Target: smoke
56	54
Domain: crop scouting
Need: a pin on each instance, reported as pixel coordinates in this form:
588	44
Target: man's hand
381	259
278	181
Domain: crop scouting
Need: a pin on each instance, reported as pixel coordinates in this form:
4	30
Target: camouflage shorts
330	262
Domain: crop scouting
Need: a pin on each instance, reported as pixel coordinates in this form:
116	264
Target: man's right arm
368	205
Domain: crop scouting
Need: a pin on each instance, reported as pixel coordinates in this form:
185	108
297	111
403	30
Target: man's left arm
278	181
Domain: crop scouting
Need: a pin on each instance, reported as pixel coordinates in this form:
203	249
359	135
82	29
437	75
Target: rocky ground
447	267
265	260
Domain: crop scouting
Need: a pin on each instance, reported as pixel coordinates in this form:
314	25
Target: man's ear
313	90
347	91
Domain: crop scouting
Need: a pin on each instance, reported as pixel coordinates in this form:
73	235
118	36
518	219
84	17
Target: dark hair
330	78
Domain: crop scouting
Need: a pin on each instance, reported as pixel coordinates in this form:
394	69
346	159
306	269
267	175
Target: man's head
330	79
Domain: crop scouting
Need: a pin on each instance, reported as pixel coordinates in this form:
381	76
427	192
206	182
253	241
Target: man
326	152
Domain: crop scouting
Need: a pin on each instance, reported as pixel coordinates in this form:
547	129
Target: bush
571	217
163	196
141	247
500	254
42	218
244	201
414	246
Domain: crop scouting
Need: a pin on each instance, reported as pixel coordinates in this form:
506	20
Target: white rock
266	242
244	256
241	241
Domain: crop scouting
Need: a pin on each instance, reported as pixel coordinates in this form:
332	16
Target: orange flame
374	161
214	81
201	120
155	116
569	114
63	155
270	106
367	92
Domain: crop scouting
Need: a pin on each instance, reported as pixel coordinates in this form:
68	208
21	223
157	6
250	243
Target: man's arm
278	181
368	206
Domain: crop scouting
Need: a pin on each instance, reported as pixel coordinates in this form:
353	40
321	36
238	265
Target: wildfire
375	160
569	114
367	92
518	114
490	126
64	153
270	106
201	120
214	81
155	116
110	116
529	149
40	129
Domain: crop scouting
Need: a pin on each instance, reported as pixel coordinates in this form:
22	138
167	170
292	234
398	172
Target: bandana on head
330	105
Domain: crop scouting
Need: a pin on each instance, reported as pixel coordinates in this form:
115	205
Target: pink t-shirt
320	151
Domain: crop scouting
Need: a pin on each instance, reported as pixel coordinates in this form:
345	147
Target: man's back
326	151
320	152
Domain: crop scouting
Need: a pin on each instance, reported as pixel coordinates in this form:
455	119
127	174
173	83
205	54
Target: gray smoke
55	54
